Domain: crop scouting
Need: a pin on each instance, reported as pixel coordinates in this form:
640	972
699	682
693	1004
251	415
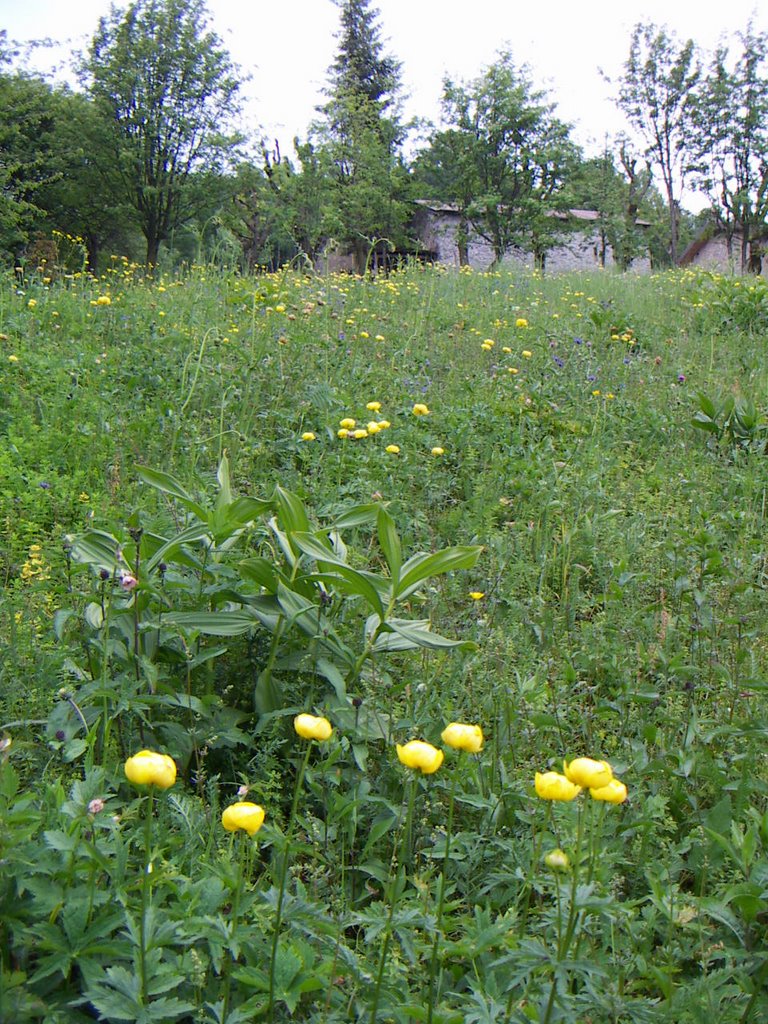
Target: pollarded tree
731	144
167	90
503	158
655	95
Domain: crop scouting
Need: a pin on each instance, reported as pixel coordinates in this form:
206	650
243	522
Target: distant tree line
145	158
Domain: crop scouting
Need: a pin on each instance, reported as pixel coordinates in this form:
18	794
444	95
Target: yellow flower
507	349
614	792
13	359
343	432
148	768
596	393
311	728
513	369
438	451
373	406
379	337
384	424
364	334
103	300
32	303
393	449
280	308
551	786
421	755
489	342
308	436
463	737
373	427
244	815
521	322
359	433
526	354
477	595
589	774
348	423
557	860
420	410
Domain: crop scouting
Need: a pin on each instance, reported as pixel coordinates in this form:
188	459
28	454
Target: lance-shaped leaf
170	485
420	567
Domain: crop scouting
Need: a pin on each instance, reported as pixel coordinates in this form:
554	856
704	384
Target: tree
503	159
730	161
28	158
654	94
615	185
360	135
166	89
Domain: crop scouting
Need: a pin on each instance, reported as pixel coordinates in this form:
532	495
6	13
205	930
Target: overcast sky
287	47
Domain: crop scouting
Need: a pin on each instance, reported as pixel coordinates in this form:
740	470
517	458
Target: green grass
595	486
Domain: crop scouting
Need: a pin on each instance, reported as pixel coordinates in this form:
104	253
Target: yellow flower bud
348	423
373	406
393	449
311	728
557	860
463	737
551	786
246	816
307	436
589	774
421	755
521	322
420	410
614	792
438	451
148	768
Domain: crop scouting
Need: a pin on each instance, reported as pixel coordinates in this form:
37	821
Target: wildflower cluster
582	773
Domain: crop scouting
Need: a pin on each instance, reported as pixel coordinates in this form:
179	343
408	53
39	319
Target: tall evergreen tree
360	136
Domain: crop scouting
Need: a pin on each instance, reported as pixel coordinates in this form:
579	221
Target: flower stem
146	896
441	897
283	875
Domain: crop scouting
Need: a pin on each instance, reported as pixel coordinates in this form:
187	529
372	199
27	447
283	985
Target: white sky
287	47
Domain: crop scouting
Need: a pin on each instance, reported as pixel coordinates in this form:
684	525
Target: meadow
533	506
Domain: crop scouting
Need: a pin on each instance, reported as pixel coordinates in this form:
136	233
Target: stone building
713	250
436	225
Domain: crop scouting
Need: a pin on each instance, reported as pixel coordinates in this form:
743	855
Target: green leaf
223	623
170	485
291	513
261	572
359	515
420	567
390	545
98	548
193	533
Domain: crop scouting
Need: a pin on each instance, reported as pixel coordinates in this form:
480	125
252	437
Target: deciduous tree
167	90
654	94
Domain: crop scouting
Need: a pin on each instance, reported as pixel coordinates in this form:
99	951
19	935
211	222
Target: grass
599	486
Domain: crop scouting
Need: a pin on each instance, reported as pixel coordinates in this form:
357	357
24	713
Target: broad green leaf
291	515
170	485
417	636
190	535
223	623
351	582
360	515
390	545
98	548
261	572
420	567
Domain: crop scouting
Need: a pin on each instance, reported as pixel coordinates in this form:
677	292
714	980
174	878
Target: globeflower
148	768
421	755
589	774
348	423
557	860
477	595
244	815
438	451
309	727
420	409
614	792
463	737
307	436
521	322
551	786
393	449
373	406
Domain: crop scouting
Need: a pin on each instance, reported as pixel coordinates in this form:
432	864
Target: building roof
436	206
